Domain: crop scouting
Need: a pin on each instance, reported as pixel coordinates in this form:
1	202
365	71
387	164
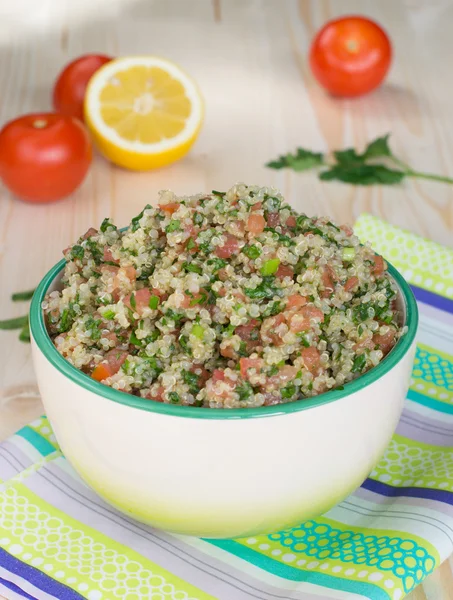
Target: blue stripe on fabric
37	578
40	443
430	402
369	590
432	299
390	491
17	590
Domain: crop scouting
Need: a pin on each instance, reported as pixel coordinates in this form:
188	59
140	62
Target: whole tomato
44	157
350	56
69	89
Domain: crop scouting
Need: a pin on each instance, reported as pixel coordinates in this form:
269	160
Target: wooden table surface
250	60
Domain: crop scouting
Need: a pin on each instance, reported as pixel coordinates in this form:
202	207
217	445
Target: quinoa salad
223	300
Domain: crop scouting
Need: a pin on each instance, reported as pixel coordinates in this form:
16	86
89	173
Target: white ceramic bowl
222	473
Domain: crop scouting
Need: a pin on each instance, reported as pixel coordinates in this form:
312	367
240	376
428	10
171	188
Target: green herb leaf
192	268
174	398
251	251
266	289
192	380
16	323
174	225
301	160
184	343
77	252
96	252
132	301
135	223
378	147
244	390
106	223
216	193
363	174
24	335
272	309
190	244
288	391
359	363
21	296
217	263
109	315
348	156
134	340
154	302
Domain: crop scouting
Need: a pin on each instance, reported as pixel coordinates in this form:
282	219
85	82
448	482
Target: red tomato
44	157
69	89
350	56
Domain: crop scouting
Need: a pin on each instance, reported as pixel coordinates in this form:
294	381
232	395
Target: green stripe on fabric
369	590
333	550
43	428
37	441
74	553
430	402
422	262
433	374
407	462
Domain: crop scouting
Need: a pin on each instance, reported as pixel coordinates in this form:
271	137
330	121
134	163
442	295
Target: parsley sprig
356	168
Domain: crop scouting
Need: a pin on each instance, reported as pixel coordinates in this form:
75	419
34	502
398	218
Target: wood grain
250	60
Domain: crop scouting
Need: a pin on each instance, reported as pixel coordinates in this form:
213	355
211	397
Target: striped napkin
59	540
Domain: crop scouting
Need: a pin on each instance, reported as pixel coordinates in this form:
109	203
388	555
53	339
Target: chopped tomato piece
141	300
379	265
328	280
250	331
291	221
111	364
157	396
194	300
296	301
230	247
110	269
250	363
257	206
218	375
130	272
202	373
228	351
284	271
385	341
312	359
256	224
286	374
301	320
215	387
170	208
91	231
273	219
347	229
109	256
351	283
101	372
270	331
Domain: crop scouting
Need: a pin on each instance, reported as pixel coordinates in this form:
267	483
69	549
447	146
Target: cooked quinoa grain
223	300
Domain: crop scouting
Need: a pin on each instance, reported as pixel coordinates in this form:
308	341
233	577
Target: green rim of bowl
44	343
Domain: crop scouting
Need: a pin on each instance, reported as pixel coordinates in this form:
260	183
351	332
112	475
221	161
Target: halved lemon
144	112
